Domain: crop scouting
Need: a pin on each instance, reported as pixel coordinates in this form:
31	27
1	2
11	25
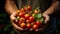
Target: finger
16	27
12	17
43	28
46	18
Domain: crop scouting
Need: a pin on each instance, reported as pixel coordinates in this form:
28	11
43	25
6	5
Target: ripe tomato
22	19
27	16
35	26
25	8
32	23
35	11
28	21
31	18
21	14
19	22
23	25
22	10
38	23
28	25
29	8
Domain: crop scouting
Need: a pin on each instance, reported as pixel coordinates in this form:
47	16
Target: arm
10	6
11	9
50	10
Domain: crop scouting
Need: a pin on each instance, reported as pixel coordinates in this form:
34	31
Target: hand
46	16
41	29
13	17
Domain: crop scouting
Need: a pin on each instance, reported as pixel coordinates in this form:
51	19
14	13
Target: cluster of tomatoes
26	18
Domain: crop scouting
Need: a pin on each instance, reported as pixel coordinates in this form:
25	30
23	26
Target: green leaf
35	16
39	16
42	19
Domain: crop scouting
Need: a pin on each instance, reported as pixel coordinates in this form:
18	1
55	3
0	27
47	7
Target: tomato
22	19
29	8
32	23
38	23
23	25
27	16
21	14
28	21
28	25
19	22
33	15
35	11
22	10
25	9
31	18
35	26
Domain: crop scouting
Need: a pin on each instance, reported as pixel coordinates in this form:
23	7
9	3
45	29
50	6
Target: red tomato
23	25
32	23
19	22
21	14
31	18
27	16
28	21
25	8
29	8
35	26
22	19
28	25
35	11
22	10
38	23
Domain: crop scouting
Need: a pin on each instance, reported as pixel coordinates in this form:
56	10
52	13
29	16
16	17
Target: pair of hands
12	17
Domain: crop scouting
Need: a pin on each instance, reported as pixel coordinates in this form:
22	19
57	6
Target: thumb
13	16
46	18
